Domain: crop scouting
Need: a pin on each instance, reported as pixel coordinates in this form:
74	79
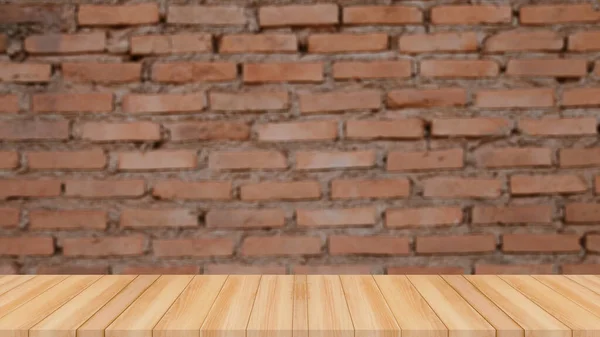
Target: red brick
293	72
519	269
238	269
93	159
597	185
157	160
29	188
124	131
72	269
34	130
557	14
46	14
249	101
102	72
582	213
519	40
581	97
337	269
584	41
340	101
579	157
9	217
581	269
547	184
67	220
130	245
280	245
24	72
279	190
261	44
66	43
382	15
425	160
297	131
471	127
160	270
9	103
192	190
187	72
206	15
180	43
27	246
514	157
470	15
547	67
298	15
540	243
247	160
370	189
425	270
163	103
158	217
245	218
196	131
514	98
369	245
592	243
457	187
459	68
427	98
345	70
438	42
512	214
196	247
385	129
89	102
9	160
597	68
558	126
456	244
423	217
347	43
320	160
341	217
104	188
125	15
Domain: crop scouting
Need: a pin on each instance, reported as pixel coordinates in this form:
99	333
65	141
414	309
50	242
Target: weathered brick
579	157
9	160
514	157
9	217
457	187
3	43
296	72
425	270
247	160
280	245
72	269
583	97
340	101
370	189
124	15
75	219
438	42
520	41
337	269
382	15
115	132
427	98
260	44
163	103
557	14
93	159
102	72
459	68
27	246
385	129
592	243
20	130
369	245
341	217
425	160
88	102
46	14
29	188
456	244
186	72
157	160
130	245
204	131
582	213
558	126
540	243
279	190
249	101
160	270
105	188
180	43
196	247
547	67
520	269
298	131
580	269
9	103
547	184
423	217
239	269
514	98
206	15
245	218
470	127
298	15
320	160
470	14
584	41
25	72
345	70
157	217
347	43
172	189
66	43
512	214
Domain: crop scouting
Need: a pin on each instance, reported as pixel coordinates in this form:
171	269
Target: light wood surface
299	306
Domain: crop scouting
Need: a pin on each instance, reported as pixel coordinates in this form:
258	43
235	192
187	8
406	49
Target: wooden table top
299	306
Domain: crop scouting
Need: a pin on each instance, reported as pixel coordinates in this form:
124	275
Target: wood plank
534	320
588	281
573	291
19	321
582	322
186	315
12	281
300	315
95	326
231	311
413	314
460	318
144	313
65	320
27	291
272	312
328	314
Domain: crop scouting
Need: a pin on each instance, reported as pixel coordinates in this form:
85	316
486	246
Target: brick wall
284	137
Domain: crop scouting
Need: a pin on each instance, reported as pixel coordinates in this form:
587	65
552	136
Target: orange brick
456	244
584	41
514	98
245	218
557	14
547	67
345	70
425	160
513	214
592	243
126	15
297	131
93	159
89	102
382	15
540	243
279	190
249	101
547	184
438	42
369	245
67	220
238	269
247	160
9	217
102	72
341	217
66	43
558	126
125	131
186	72
319	160
159	270
582	213
518	40
9	103
9	160
172	189
71	269
26	246
261	44
206	15
130	245
281	245
423	217
298	15
296	72
470	127
46	14
514	157
347	43
34	130
157	217
459	68
457	187
427	98
29	188
579	157
157	160
340	101
581	97
104	188
384	129
196	247
194	131
370	189
25	72
163	103
581	269
337	269
180	43
425	270
520	269
470	14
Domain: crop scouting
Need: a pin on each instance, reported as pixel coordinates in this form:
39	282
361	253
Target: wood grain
328	314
